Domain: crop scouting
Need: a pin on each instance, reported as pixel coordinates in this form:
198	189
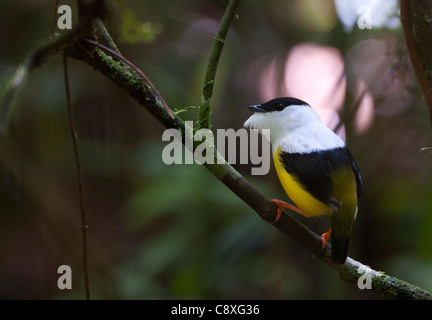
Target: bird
314	166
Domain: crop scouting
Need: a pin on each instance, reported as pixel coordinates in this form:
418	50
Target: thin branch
215	54
104	34
84	226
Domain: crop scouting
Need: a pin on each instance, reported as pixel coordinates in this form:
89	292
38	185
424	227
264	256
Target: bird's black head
277	104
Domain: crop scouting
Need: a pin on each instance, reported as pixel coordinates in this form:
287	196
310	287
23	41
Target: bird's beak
256	108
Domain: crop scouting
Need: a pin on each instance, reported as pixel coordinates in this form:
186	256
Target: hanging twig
79	179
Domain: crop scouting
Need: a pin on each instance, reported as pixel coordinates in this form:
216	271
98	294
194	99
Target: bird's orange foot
282	204
324	238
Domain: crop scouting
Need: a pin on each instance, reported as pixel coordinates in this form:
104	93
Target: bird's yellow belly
297	193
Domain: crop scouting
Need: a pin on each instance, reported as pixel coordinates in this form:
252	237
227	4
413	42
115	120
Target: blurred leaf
133	31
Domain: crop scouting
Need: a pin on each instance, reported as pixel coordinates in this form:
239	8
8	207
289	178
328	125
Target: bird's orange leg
282	204
324	237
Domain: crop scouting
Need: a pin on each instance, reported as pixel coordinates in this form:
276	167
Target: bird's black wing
314	171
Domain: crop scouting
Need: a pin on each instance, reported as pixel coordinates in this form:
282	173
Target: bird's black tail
341	231
339	251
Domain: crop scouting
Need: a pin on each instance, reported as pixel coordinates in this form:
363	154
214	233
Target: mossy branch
215	54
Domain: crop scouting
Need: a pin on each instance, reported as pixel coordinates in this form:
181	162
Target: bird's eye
279	107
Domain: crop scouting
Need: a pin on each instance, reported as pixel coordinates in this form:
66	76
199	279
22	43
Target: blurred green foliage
176	232
133	31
